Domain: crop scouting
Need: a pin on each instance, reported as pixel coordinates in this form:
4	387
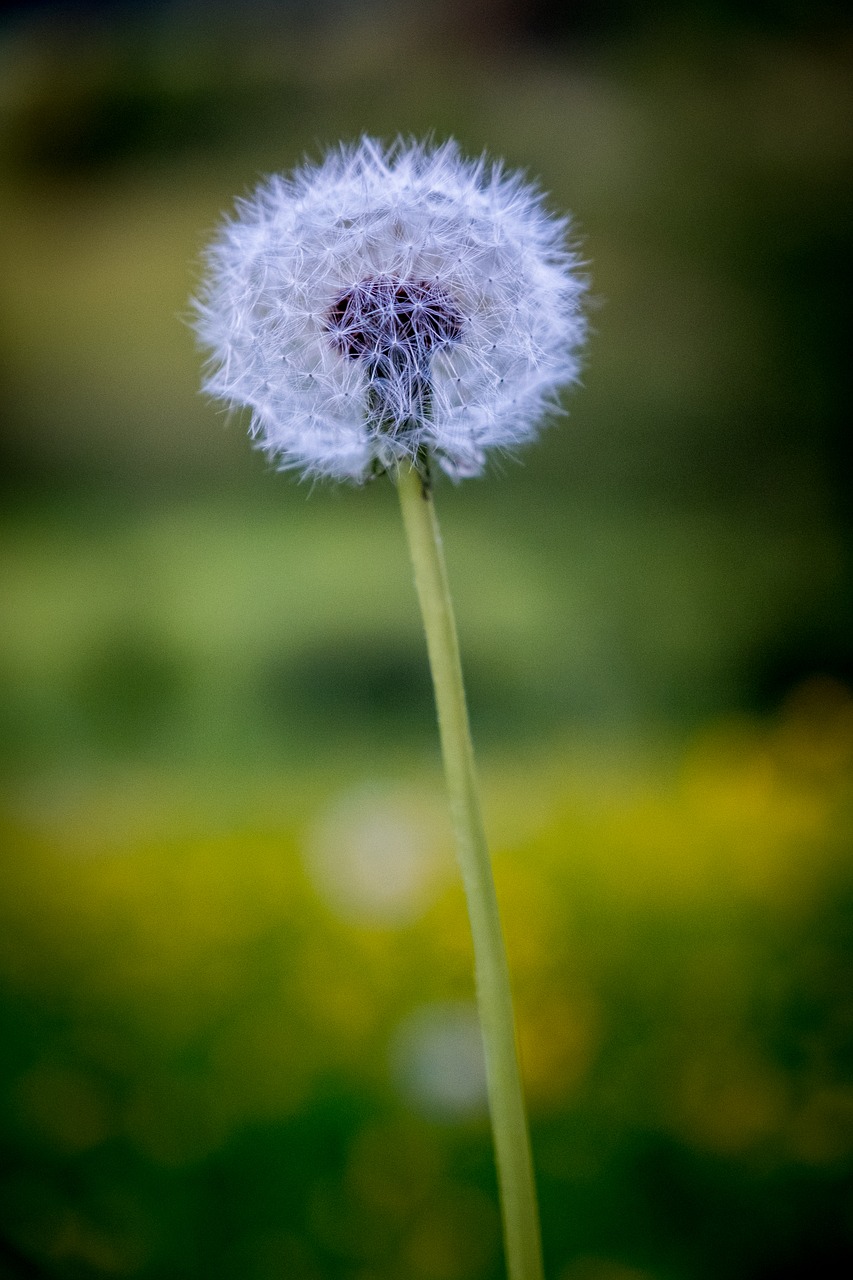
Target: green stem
506	1098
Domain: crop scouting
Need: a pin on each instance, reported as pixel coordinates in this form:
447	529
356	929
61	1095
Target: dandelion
390	304
385	309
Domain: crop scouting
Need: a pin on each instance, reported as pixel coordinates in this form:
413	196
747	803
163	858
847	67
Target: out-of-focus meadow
236	1021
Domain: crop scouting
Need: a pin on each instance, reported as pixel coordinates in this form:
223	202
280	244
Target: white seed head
390	303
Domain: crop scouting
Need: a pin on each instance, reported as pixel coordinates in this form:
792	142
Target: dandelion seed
391	303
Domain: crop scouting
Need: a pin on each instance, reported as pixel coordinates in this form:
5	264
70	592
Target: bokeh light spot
373	855
437	1059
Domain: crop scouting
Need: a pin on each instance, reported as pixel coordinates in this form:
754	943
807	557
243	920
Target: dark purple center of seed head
384	316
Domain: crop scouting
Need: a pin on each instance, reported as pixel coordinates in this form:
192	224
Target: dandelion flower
390	304
378	310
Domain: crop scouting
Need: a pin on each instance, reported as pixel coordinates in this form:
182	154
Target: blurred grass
235	1014
199	1040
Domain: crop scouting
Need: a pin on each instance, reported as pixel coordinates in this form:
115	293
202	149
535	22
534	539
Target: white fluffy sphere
390	304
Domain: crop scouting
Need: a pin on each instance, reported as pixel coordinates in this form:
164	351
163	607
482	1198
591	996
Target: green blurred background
236	1024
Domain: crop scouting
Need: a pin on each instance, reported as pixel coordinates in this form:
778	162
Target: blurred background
237	1035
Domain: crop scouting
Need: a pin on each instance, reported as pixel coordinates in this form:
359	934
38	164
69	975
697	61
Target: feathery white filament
390	302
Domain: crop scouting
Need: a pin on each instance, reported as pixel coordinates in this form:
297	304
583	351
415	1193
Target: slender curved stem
506	1098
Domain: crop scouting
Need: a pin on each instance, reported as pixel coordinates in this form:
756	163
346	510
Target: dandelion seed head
391	302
